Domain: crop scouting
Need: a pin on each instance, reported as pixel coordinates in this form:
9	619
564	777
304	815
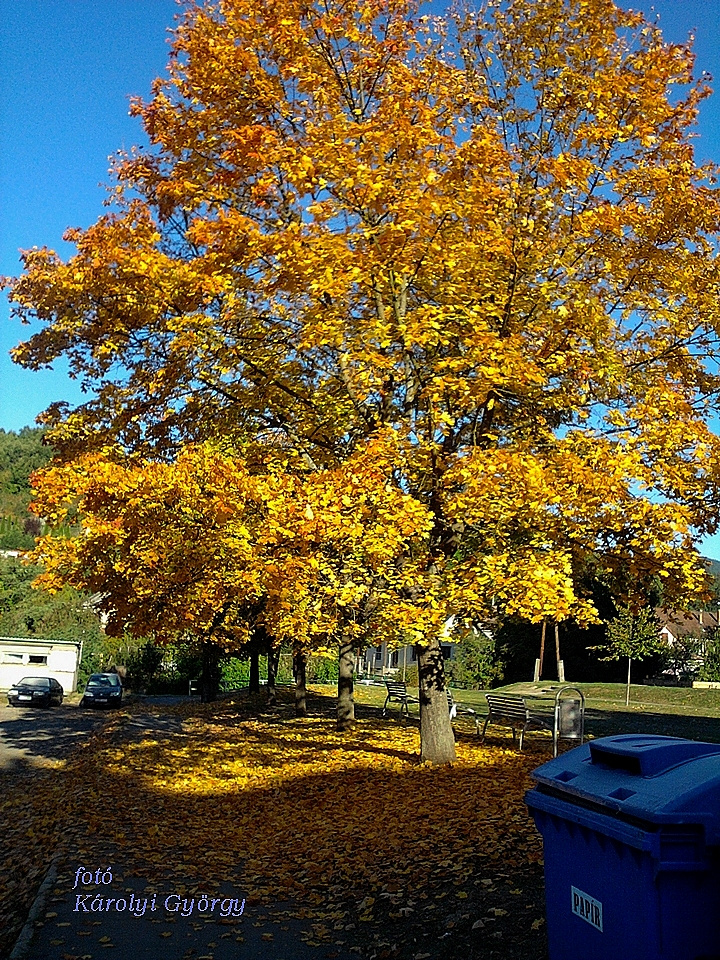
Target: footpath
122	909
126	919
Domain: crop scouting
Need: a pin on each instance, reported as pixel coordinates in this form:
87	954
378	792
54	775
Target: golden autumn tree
486	233
210	547
169	549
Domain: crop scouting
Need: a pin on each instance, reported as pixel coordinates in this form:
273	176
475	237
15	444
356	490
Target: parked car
35	692
102	690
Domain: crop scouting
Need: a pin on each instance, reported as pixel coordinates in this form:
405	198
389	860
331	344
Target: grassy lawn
673	711
611	696
606	696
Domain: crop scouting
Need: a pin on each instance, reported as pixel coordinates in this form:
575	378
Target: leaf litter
348	832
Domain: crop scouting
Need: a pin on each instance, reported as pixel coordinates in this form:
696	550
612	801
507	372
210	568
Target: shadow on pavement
33	736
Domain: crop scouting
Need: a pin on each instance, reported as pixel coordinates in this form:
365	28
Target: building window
413	658
446	651
37	658
12	658
395	658
378	654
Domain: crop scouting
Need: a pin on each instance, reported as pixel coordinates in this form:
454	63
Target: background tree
20	455
476	665
710	669
683	656
205	546
486	234
143	665
634	634
65	615
156	548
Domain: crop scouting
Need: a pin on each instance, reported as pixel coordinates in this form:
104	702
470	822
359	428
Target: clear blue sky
67	68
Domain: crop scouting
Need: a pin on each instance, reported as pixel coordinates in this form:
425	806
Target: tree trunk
254	682
557	651
273	659
345	702
210	676
542	648
437	742
627	691
300	671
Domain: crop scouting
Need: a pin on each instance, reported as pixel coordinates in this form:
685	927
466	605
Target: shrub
322	670
235	672
411	675
143	665
285	667
475	665
710	670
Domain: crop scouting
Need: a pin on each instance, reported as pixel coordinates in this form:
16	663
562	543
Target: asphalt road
35	737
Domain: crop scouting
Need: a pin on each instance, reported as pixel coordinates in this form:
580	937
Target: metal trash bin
569	721
631	834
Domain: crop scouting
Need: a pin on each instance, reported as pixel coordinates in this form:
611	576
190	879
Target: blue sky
67	69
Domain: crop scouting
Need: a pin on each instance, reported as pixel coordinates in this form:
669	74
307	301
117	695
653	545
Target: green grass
611	696
673	711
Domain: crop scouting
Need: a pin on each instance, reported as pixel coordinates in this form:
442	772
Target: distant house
392	661
35	657
677	625
686	633
388	661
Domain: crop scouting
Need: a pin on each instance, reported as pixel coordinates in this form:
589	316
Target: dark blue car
102	690
35	692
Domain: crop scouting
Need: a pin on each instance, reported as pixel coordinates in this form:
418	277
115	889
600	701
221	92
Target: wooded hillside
20	454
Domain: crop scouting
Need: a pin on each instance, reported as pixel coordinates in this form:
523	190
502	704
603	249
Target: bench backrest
398	688
510	707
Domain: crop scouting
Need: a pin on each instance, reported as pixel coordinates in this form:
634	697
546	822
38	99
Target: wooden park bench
513	712
397	693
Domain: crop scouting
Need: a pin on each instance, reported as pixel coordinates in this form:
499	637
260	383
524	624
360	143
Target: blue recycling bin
631	835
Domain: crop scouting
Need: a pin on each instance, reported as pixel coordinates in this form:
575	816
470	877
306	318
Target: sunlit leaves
207	546
484	235
299	811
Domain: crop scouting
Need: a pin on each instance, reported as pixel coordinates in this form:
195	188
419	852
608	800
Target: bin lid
641	777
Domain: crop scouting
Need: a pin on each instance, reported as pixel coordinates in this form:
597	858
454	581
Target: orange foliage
485	235
207	547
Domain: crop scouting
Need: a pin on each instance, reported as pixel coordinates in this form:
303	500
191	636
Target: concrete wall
30	657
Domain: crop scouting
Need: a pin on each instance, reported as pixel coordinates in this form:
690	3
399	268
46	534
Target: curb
22	944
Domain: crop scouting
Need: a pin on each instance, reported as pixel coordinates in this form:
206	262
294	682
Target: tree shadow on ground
391	858
605	723
28	734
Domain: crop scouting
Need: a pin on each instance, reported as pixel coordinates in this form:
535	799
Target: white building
388	661
34	657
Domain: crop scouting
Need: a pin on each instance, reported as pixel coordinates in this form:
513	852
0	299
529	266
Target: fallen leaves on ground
346	830
31	813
